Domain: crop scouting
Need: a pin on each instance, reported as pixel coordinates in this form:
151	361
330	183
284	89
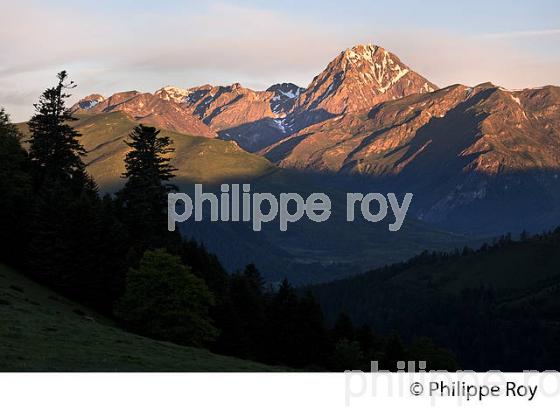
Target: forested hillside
495	308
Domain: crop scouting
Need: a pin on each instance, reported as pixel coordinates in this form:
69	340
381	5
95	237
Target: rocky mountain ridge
357	79
465	150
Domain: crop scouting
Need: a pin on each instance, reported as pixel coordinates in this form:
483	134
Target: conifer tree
245	339
313	335
206	266
281	326
72	237
54	149
144	196
15	188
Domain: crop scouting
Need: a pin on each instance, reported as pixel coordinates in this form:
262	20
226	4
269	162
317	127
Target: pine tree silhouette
54	150
15	189
72	238
144	195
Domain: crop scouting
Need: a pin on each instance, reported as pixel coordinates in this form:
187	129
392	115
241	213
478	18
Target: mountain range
480	159
308	252
355	80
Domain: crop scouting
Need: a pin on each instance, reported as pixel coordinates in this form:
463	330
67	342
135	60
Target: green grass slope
198	159
41	331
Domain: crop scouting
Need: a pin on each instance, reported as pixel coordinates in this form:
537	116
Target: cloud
221	43
242	39
526	33
17	98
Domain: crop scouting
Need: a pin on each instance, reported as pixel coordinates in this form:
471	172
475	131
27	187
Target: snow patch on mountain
88	105
175	94
90	101
279	123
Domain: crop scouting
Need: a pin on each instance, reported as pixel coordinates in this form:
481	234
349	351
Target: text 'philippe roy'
237	203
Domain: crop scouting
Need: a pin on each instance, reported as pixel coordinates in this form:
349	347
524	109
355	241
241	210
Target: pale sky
110	45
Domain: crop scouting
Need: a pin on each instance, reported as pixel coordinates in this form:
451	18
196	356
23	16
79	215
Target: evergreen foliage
15	189
55	152
73	244
144	195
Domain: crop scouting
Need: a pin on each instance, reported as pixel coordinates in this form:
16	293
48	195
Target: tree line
115	254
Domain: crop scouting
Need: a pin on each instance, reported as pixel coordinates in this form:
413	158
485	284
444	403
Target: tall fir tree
72	237
247	315
54	149
144	196
281	338
313	335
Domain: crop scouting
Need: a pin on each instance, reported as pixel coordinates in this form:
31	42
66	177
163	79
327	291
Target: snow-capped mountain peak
175	94
360	77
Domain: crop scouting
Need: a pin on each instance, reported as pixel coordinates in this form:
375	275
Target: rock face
468	153
284	98
359	78
147	109
254	119
486	128
225	106
89	102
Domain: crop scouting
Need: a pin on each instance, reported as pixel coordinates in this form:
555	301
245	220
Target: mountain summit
359	78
